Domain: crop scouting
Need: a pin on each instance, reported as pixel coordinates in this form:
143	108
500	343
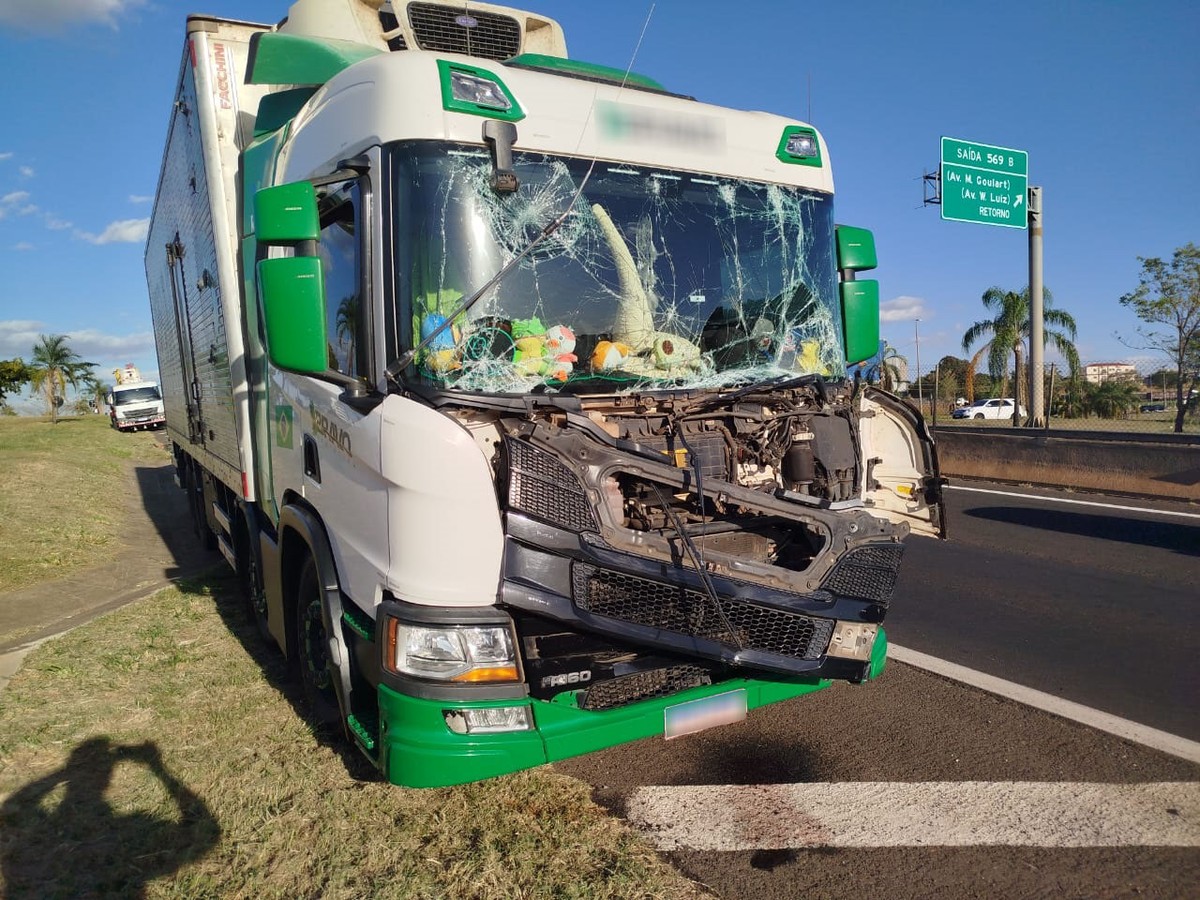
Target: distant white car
997	408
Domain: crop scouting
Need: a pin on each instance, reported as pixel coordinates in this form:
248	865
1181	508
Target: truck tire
203	533
312	649
250	577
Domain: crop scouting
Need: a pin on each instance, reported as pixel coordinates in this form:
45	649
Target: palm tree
886	372
1009	331
1113	397
54	366
346	323
972	366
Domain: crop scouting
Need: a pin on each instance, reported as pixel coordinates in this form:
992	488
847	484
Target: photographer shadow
61	836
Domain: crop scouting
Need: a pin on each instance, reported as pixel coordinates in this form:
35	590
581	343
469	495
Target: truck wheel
203	533
250	578
312	646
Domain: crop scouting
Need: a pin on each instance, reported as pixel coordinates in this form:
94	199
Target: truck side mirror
292	292
286	214
860	299
860	319
855	250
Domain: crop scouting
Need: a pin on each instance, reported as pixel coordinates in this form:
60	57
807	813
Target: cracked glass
654	279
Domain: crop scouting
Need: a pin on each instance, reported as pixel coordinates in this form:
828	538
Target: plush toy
527	328
560	339
560	355
634	321
610	355
674	353
441	354
529	357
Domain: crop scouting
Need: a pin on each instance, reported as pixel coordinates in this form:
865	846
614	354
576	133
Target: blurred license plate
707	712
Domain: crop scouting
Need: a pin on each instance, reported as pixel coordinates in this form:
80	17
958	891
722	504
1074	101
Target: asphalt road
1097	604
919	786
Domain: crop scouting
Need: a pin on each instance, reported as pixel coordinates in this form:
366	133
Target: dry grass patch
159	749
63	494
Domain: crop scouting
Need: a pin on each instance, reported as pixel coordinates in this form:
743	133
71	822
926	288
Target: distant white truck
133	403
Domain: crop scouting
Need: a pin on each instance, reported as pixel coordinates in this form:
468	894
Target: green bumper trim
419	750
296	60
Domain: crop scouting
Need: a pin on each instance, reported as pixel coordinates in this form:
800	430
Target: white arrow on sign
1018	200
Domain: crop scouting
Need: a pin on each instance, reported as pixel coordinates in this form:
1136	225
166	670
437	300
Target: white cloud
124	231
99	346
4	156
14	198
23	245
140	198
56	224
48	16
902	309
17	337
108	351
26	171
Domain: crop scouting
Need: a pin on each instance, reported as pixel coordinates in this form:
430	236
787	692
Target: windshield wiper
778	383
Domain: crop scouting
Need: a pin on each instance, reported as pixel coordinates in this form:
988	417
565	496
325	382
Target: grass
64	487
158	750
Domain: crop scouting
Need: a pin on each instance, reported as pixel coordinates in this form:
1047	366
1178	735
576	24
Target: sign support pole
1037	406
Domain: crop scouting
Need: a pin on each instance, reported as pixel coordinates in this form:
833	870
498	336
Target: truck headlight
461	653
471	88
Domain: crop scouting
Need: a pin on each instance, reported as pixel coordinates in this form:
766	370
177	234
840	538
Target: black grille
868	573
439	28
543	487
653	604
643	686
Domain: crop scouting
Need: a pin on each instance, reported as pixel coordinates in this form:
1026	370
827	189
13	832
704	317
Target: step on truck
515	388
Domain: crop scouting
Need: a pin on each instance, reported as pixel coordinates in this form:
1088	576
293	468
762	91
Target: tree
54	366
1113	397
1008	330
886	372
13	375
1167	299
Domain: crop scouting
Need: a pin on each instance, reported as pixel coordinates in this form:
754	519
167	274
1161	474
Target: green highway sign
984	184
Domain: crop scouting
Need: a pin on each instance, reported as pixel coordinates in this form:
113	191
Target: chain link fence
1135	395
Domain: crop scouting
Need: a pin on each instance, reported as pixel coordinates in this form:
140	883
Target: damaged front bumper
578	581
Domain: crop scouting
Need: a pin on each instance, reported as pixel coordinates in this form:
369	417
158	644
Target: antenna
809	119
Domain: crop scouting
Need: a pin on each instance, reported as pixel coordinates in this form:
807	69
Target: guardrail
1149	465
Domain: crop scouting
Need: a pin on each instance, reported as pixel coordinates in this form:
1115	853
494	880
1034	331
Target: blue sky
1104	95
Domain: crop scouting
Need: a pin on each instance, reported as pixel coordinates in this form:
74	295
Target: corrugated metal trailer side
192	265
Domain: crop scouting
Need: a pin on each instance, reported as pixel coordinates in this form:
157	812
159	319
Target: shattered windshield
654	279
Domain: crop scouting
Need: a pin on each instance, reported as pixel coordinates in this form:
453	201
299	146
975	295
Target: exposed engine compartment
731	529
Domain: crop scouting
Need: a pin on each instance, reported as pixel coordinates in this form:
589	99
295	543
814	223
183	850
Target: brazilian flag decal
283	427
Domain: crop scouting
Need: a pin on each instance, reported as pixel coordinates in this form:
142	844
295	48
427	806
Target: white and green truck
515	387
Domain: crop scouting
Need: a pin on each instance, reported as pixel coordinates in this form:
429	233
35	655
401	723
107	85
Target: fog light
852	640
489	720
470	88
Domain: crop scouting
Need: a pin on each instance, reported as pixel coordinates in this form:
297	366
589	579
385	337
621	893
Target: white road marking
1137	509
931	814
1077	712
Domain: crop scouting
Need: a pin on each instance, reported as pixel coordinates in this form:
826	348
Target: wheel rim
314	647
